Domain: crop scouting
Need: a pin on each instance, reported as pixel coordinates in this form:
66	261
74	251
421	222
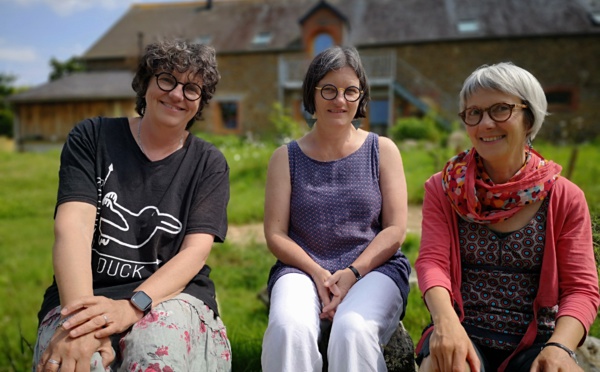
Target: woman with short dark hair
335	218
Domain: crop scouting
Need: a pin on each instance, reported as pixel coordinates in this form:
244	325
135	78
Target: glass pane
229	111
378	112
322	42
378	116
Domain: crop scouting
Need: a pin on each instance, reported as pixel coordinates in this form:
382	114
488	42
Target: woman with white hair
506	263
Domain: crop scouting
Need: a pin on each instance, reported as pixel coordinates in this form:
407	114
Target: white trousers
364	321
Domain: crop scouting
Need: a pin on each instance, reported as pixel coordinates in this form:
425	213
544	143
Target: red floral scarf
477	199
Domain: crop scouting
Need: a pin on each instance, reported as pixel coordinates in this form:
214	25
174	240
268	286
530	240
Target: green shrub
416	128
6	123
248	176
286	128
595	329
596	234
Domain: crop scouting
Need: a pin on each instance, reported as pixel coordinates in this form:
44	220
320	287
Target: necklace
139	138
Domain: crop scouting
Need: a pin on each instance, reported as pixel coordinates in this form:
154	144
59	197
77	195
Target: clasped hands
332	288
87	324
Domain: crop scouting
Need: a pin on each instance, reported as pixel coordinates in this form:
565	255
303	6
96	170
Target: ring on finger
105	318
52	361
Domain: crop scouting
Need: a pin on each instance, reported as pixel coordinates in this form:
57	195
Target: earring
356	123
529	143
310	121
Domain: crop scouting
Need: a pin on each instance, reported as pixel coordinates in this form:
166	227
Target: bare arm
276	223
392	183
71	254
166	283
568	332
172	278
449	345
73	229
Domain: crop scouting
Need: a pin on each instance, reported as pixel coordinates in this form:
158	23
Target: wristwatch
141	301
356	273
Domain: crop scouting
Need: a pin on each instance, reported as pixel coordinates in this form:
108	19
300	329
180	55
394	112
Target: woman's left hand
98	313
554	359
338	284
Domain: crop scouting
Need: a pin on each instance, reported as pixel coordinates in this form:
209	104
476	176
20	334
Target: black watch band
356	273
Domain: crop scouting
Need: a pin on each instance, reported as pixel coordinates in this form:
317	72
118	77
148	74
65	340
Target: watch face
142	301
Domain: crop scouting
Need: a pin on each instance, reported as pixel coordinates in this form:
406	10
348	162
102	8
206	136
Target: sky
34	31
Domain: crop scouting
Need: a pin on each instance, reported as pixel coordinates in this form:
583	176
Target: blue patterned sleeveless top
335	211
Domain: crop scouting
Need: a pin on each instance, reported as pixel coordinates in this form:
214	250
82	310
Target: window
322	42
468	26
378	116
203	39
595	18
262	38
229	114
561	99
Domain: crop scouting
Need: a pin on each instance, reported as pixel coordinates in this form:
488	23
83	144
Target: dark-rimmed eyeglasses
167	82
498	112
330	91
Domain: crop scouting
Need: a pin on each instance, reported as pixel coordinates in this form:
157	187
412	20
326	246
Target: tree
60	69
6	115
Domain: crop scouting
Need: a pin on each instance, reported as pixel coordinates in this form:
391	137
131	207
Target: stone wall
565	66
561	63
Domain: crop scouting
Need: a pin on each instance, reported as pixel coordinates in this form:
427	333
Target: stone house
416	52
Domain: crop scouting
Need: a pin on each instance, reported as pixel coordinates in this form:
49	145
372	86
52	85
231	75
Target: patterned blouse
500	279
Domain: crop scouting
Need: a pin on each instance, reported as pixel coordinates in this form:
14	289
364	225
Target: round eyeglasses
498	112
167	82
330	92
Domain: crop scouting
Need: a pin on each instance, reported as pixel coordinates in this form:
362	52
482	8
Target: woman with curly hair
140	203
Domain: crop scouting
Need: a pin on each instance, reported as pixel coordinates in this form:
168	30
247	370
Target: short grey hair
508	78
331	59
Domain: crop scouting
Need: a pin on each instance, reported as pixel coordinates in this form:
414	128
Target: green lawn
28	185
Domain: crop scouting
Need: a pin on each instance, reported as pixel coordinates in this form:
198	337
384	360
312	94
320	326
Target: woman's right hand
99	315
74	354
319	277
451	348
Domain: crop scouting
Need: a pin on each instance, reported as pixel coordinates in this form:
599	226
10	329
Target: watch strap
356	273
561	346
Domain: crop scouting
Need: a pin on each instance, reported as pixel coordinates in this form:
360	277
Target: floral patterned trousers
180	334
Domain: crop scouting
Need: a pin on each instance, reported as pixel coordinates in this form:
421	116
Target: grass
27	196
240	273
28	183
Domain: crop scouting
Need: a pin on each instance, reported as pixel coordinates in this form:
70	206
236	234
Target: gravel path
244	234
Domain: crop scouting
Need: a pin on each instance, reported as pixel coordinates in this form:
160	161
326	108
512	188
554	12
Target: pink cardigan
572	284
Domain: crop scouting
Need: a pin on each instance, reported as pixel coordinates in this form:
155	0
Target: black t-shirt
145	208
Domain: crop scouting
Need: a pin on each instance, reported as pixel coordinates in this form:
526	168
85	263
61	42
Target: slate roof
232	24
81	86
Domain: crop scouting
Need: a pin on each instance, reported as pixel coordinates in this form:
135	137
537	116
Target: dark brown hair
199	60
332	59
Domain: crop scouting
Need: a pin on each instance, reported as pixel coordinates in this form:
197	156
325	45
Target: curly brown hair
199	60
